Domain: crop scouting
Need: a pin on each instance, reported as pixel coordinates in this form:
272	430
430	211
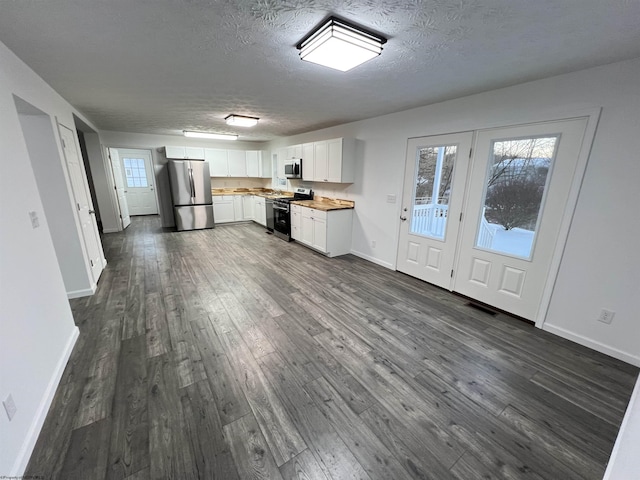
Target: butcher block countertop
318	203
325	203
261	192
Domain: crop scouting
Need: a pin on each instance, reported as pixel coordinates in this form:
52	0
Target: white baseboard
111	230
371	259
587	342
87	292
29	443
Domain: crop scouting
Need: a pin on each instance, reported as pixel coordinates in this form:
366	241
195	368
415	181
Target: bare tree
516	182
514	203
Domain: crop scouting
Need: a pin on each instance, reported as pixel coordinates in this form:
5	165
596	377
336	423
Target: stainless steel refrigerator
191	194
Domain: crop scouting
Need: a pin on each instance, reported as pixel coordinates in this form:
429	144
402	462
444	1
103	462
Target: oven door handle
275	207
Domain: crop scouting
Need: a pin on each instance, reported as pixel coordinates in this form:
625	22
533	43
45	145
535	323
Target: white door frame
434	257
95	270
569	210
593	116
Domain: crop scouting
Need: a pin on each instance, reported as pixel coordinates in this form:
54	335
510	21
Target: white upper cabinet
308	161
294	151
254	158
190	153
237	163
325	161
218	162
320	159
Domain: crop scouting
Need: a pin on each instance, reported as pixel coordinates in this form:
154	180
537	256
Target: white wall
624	463
155	143
36	324
40	139
601	264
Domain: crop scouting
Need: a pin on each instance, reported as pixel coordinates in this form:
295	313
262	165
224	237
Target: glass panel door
517	196
430	206
516	183
434	185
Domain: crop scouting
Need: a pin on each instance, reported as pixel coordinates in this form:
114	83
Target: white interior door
137	169
516	200
434	186
82	199
118	180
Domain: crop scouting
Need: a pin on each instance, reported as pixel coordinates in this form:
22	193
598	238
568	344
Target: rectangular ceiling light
340	45
210	136
241	120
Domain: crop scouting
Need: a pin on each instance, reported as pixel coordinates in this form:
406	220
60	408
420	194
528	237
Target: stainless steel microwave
293	168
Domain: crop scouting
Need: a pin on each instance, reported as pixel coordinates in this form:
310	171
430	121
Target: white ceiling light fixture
210	136
241	120
340	45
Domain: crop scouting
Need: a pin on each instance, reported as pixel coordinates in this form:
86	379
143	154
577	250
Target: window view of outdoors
516	181
135	172
434	174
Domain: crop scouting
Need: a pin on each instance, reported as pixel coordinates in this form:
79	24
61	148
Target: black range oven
282	212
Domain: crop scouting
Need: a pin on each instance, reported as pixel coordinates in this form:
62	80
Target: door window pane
135	172
433	176
515	186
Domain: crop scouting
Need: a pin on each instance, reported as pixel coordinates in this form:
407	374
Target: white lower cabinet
248	207
296	222
238	210
230	208
260	211
328	232
223	209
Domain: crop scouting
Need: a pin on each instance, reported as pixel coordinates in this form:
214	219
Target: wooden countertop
326	204
319	203
261	192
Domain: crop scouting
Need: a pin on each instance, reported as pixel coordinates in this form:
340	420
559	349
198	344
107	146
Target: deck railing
430	219
486	233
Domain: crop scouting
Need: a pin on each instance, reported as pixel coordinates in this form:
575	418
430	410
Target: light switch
391	198
10	407
35	221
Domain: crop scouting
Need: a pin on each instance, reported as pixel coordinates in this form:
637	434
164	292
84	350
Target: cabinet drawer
296	208
319	214
222	198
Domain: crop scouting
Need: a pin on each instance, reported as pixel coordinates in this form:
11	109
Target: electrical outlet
10	407
606	316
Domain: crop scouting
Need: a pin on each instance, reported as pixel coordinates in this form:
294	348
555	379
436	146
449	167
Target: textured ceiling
162	66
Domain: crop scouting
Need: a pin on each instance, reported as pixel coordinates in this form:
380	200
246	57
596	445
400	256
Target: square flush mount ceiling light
241	121
210	136
340	45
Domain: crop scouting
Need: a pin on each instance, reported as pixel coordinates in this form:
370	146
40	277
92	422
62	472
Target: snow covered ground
516	241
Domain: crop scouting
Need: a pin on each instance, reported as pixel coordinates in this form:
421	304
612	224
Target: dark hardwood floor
228	353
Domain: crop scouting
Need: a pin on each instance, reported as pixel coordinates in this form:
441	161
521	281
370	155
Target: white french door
434	185
498	247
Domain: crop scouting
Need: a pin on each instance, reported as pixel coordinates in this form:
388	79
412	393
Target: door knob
92	212
403	218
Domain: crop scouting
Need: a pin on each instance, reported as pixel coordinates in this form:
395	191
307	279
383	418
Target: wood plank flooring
230	354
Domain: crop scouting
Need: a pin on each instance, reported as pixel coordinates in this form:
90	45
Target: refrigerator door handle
191	183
